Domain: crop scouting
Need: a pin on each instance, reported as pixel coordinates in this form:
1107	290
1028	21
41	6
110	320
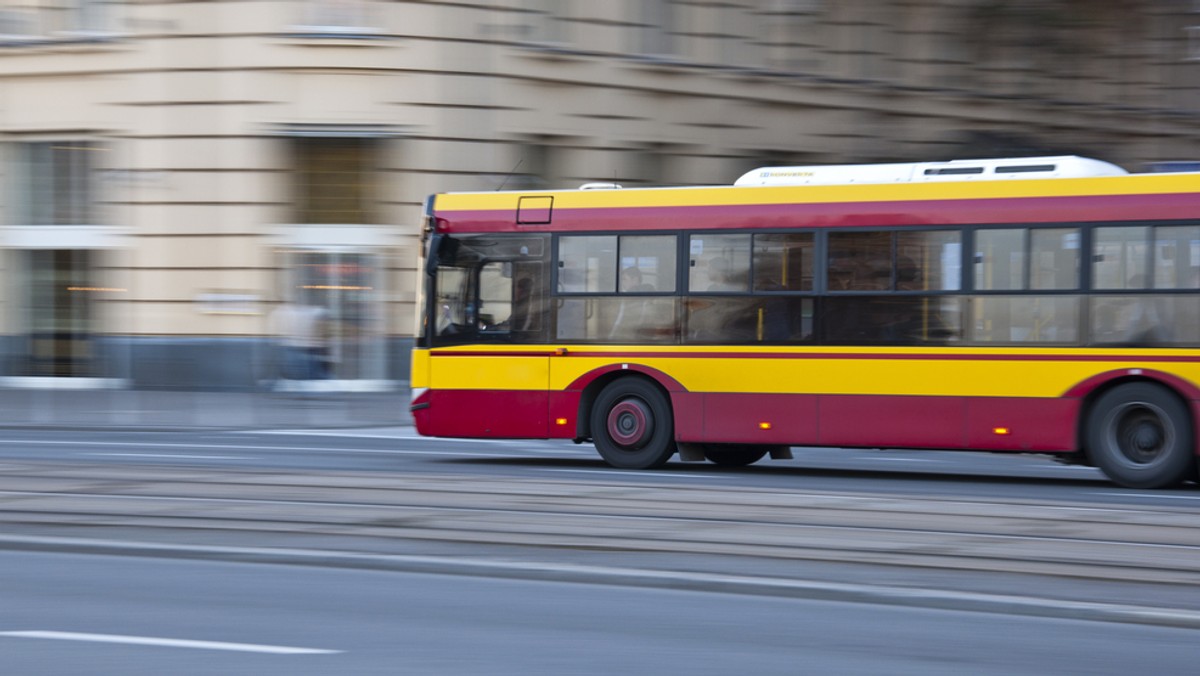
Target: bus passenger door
494	383
512	299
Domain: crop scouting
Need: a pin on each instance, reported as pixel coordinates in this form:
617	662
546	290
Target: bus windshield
490	289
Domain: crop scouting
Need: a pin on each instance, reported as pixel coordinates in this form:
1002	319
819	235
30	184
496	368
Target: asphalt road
838	561
388	490
888	472
68	614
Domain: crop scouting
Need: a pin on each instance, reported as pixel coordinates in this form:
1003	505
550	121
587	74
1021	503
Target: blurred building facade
174	173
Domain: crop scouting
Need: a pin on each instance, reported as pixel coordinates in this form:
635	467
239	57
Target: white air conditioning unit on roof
1067	166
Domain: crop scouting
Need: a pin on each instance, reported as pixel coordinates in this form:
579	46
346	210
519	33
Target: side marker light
561	421
764	425
1001	431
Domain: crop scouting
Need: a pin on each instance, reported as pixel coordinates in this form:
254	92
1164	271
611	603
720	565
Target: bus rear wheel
632	426
1140	436
734	455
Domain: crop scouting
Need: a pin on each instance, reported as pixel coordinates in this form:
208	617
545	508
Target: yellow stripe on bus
939	374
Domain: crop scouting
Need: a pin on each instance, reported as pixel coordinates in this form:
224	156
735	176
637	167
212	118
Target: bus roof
1067	166
875	197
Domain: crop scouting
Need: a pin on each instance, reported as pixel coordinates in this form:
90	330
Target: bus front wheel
1140	436
632	426
734	455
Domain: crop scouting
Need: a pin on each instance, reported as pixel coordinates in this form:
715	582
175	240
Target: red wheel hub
630	423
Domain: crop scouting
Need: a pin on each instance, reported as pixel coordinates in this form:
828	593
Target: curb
629	577
201	410
180	428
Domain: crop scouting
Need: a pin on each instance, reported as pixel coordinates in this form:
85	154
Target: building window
657	18
336	180
18	20
28	19
792	34
55	183
338	16
545	21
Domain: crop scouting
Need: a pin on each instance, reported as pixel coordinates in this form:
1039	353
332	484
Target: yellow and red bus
1045	305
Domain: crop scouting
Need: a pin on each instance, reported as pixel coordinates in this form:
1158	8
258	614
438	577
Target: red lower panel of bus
484	414
1006	424
1022	424
890	421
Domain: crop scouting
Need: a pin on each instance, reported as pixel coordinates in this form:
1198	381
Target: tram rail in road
377	512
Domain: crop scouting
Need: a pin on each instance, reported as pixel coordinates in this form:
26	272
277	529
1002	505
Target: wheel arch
1090	390
592	383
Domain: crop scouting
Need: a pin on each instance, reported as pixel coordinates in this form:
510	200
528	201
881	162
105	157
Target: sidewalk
154	409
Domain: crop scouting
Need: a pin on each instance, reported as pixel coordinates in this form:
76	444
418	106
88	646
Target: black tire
632	425
735	455
1140	435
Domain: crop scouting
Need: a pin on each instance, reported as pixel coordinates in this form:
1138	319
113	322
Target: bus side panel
756	418
688	408
1196	424
892	421
1022	424
512	414
564	407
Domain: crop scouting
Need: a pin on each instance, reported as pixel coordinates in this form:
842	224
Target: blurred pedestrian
301	330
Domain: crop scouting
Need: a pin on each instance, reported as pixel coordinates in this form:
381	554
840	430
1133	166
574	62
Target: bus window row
893	287
931	261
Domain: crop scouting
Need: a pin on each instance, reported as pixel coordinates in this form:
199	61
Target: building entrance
339	291
59	315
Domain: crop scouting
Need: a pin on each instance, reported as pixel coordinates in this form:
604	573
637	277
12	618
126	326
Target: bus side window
860	261
1025	319
783	262
1000	260
719	263
1054	259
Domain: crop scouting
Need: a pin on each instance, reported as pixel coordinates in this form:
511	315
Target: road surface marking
632	474
1148	495
167	642
173	455
401	433
248	447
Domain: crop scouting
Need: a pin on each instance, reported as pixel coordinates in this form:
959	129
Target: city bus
1035	305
